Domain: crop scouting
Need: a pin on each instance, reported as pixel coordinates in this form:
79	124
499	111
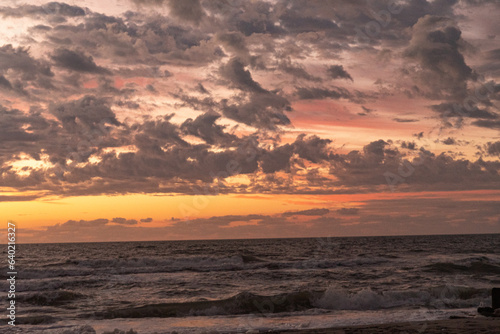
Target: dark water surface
216	284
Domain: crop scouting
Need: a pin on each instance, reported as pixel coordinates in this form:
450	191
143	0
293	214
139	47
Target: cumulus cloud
27	70
425	170
437	46
88	111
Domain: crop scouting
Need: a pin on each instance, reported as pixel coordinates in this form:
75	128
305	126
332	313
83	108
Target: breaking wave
330	299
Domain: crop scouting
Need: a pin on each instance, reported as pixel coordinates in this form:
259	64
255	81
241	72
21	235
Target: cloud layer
187	94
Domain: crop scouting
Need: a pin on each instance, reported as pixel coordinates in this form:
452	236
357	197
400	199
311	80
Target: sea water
227	286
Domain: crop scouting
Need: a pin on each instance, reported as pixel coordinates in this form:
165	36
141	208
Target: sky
128	120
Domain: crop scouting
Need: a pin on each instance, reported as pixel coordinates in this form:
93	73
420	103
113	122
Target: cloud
348	211
366	111
409	145
457	110
423	170
260	110
277	159
494	148
25	68
322	93
205	128
72	225
487	124
436	46
123	221
189	10
406	218
296	70
338	72
298	23
77	61
449	141
50	8
234	71
310	212
89	111
153	102
405	120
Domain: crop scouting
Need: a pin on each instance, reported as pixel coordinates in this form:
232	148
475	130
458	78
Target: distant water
237	285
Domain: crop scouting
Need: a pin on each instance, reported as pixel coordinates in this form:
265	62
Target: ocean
245	286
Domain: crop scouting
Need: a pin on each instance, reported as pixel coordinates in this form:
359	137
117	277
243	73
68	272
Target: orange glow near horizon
46	212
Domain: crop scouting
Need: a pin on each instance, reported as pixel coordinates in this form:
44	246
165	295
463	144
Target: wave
50	298
330	299
87	267
480	267
31	320
242	303
446	296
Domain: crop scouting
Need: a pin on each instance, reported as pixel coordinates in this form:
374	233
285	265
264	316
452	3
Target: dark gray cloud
409	145
296	70
437	46
261	50
235	72
189	10
235	42
425	170
487	124
261	110
77	61
338	72
447	110
322	93
50	8
366	111
494	148
18	69
5	83
70	225
449	141
298	23
205	128
312	148
89	111
277	159
123	221
405	120
22	132
310	212
348	211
